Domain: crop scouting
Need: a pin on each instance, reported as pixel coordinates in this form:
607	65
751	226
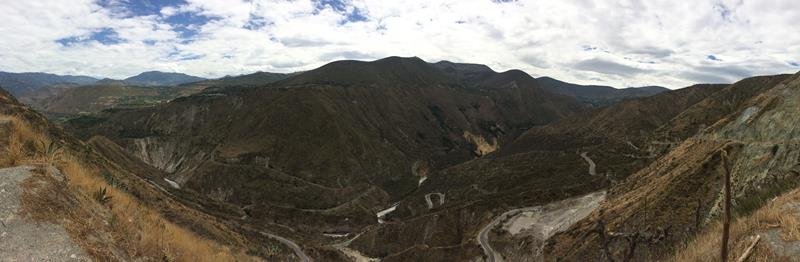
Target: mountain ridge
22	83
158	78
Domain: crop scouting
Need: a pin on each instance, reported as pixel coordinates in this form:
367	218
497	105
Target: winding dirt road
550	219
289	243
592	166
297	250
430	202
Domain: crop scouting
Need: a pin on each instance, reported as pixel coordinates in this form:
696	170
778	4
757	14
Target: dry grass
778	213
140	230
25	145
120	227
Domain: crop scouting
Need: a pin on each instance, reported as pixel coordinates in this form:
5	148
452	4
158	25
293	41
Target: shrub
102	196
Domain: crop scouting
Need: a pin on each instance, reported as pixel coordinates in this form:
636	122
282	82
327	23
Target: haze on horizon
626	43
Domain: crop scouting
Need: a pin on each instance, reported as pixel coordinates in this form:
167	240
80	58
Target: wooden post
727	219
749	249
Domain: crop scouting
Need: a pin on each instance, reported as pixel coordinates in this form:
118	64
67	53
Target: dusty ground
22	239
532	226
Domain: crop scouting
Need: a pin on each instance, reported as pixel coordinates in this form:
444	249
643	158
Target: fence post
727	219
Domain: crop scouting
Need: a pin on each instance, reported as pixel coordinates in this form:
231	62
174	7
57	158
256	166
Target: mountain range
156	78
399	159
54	94
21	84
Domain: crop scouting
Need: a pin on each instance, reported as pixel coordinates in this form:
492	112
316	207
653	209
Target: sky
623	43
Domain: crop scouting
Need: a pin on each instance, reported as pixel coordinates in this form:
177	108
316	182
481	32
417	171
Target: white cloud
635	42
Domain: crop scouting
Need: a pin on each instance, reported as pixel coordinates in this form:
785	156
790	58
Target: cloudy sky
622	43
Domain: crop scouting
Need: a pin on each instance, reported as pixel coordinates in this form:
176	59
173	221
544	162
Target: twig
749	250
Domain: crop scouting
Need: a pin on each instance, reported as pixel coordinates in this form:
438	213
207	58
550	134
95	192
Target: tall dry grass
23	143
142	231
138	230
777	213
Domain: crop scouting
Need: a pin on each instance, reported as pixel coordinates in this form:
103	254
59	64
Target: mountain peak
390	70
158	78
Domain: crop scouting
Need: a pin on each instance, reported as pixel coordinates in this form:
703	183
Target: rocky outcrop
482	146
168	155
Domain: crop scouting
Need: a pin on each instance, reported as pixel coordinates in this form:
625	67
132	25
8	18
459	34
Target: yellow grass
138	230
24	143
706	246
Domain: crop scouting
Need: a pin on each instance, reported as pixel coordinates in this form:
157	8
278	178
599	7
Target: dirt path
592	166
354	254
430	202
385	212
291	244
22	240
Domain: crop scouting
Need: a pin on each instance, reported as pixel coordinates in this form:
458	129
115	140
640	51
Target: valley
399	159
399	131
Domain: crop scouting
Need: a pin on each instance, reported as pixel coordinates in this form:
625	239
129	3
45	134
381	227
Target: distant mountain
481	76
391	70
97	97
597	95
157	78
463	72
254	79
21	83
67	99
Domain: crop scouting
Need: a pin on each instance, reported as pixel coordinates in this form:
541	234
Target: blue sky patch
355	16
256	22
336	5
795	64
105	36
713	58
187	24
130	8
178	55
339	6
188	18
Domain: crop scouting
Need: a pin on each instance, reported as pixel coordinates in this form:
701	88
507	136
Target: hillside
62	100
254	79
597	95
544	164
95	98
332	143
63	200
436	152
471	75
681	190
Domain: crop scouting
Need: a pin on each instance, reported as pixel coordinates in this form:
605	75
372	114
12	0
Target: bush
113	181
102	196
